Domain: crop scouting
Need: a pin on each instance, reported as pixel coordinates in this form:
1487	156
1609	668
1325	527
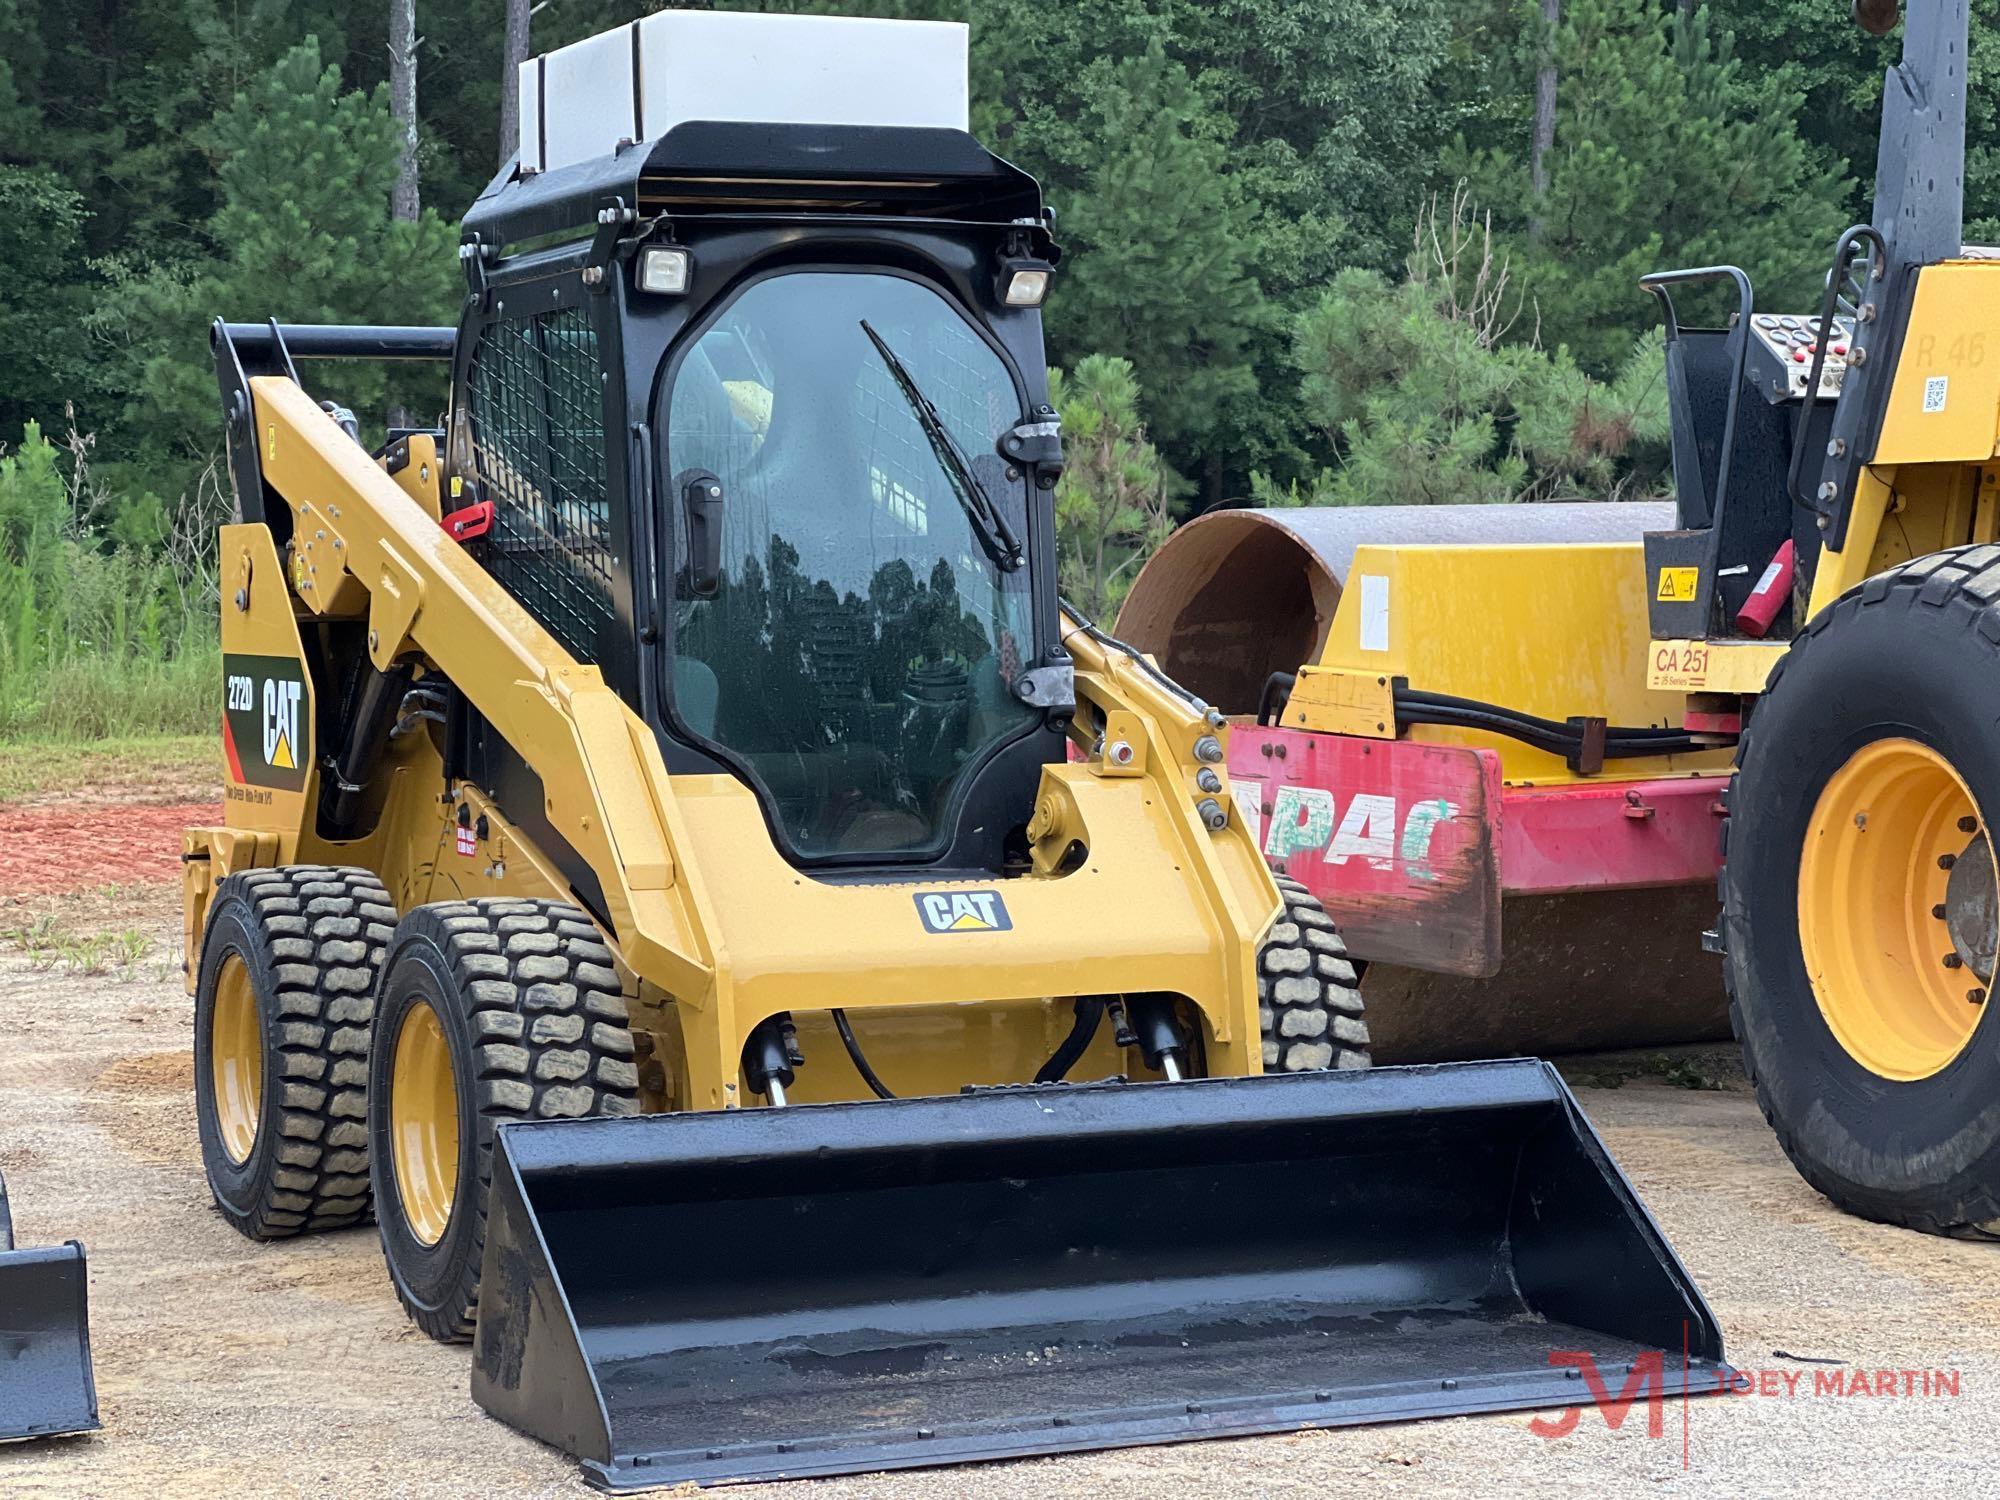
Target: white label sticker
1934	392
1374	612
1249	797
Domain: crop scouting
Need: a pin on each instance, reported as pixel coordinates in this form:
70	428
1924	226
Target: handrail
1738	341
1878	265
340	340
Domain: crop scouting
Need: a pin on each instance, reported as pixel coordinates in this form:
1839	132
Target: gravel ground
227	1367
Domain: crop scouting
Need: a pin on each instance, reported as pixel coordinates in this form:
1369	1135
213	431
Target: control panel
1781	355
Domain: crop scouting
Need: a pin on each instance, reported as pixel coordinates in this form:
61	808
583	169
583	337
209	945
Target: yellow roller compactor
1494	741
1834	586
657	887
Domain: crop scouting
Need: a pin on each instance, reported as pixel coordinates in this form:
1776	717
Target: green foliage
1668	151
1335	116
43	361
1161	272
1425	396
1111	502
323	249
1237	183
1410	400
96	637
1838	68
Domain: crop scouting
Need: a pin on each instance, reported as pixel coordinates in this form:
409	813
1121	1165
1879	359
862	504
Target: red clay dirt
74	846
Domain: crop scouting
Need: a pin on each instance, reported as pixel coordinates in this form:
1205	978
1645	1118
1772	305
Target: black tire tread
545	1002
1965	581
1308	993
325	929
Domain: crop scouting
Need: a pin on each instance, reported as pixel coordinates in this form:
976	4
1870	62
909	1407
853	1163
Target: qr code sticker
1934	389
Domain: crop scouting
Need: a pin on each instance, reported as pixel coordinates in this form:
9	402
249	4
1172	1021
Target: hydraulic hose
1277	693
1089	1014
855	1055
1112	643
1545	734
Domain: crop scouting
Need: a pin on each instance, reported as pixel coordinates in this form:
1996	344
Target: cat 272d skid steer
633	777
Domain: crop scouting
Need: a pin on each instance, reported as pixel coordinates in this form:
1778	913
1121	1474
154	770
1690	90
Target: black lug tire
1912	653
1308	995
537	1028
312	938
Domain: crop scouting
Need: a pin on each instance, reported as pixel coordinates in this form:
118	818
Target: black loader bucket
839	1288
45	1382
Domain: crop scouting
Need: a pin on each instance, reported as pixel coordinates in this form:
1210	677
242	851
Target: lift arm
600	766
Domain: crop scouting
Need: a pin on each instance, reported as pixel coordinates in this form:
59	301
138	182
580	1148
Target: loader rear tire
1308	995
490	1010
1869	771
282	1005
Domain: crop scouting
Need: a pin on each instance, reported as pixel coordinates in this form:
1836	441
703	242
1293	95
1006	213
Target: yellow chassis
1931	484
712	929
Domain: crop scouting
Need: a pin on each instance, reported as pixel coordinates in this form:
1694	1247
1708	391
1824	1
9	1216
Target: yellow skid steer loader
657	886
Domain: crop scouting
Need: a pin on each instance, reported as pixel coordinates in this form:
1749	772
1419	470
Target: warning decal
1678	585
266	721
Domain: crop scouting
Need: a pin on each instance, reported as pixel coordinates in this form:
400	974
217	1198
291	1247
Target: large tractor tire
489	1011
282	1006
1308	995
1858	895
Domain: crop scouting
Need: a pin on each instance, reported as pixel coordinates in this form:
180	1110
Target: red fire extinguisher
1772	590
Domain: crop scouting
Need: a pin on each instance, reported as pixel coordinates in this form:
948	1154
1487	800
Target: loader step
851	1287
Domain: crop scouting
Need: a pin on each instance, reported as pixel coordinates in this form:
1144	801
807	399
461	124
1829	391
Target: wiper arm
995	535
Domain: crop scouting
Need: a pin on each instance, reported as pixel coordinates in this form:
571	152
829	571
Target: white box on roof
638	82
586	99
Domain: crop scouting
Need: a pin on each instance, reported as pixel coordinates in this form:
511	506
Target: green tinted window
862	645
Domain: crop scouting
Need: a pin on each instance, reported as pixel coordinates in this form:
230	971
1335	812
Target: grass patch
107	603
91	698
48	944
184	767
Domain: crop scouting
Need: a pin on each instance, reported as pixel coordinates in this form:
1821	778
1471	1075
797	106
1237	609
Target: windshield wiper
995	535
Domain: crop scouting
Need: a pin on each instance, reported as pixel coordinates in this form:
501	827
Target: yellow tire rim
236	1059
1875	925
423	1124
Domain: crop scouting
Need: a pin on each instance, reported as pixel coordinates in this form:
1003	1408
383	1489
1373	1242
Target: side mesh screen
538	440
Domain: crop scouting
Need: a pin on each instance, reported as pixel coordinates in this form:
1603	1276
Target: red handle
1769	597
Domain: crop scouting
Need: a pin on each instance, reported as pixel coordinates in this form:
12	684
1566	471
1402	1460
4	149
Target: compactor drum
684	729
1453	749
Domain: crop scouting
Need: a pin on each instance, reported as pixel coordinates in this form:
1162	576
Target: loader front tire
1308	995
1858	897
282	1005
489	1011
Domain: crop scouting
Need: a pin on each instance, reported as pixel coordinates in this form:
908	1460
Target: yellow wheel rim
236	1059
1874	924
423	1124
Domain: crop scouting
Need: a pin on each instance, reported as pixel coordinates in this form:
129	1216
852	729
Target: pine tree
303	234
1839	69
1667	152
1160	273
1111	502
1431	391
